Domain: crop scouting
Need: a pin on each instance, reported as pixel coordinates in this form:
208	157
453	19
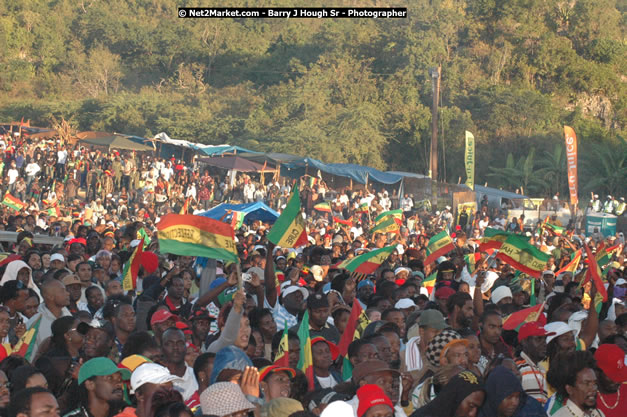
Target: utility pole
434	72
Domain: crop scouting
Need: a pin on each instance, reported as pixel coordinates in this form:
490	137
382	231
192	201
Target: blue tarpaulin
254	211
212	150
358	173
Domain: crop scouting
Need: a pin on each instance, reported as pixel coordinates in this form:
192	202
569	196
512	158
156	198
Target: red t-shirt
618	409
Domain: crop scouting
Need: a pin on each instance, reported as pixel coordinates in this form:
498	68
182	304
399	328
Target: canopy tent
210	150
494	192
116	142
254	211
232	163
357	173
90	134
269	158
408	174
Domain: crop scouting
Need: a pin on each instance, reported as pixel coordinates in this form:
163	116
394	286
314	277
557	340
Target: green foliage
605	168
342	90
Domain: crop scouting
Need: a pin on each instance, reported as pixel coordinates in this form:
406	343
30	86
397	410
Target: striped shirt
280	315
533	378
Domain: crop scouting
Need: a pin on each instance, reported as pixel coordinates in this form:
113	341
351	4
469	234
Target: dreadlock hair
564	368
137	343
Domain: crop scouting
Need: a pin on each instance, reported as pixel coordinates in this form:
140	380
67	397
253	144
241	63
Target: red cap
332	347
182	326
444	292
370	395
270	369
533	328
611	359
150	262
162	315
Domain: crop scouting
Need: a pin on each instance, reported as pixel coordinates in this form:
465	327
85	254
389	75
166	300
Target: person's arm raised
270	276
589	329
212	294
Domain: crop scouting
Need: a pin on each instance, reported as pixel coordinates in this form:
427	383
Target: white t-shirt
326	381
13	174
167	173
188	386
62	157
32	169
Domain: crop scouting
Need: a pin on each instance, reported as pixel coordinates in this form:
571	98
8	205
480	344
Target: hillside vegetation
341	90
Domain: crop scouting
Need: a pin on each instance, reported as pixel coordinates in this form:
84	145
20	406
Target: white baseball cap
292	289
556	329
151	373
57	257
405	303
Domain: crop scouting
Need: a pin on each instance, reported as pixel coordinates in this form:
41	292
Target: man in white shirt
249	192
12	173
174	348
61	161
32	169
167	171
56	299
407	203
385	201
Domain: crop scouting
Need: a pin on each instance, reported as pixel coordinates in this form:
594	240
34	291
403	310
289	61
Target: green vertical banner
469	158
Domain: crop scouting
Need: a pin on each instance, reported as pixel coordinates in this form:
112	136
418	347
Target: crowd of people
75	343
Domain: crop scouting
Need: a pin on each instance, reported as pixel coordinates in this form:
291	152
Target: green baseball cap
100	367
432	318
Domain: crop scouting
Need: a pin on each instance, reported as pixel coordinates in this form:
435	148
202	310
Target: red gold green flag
604	254
363	208
388	225
282	357
351	332
185	208
439	245
237	219
13	202
594	272
348	222
493	239
131	268
429	282
190	235
396	214
289	229
326	207
524	257
471	261
572	265
555	230
305	363
25	345
142	234
517	319
54	211
368	262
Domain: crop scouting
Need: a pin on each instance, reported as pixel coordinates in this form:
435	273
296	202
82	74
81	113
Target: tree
605	168
521	173
551	167
99	73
